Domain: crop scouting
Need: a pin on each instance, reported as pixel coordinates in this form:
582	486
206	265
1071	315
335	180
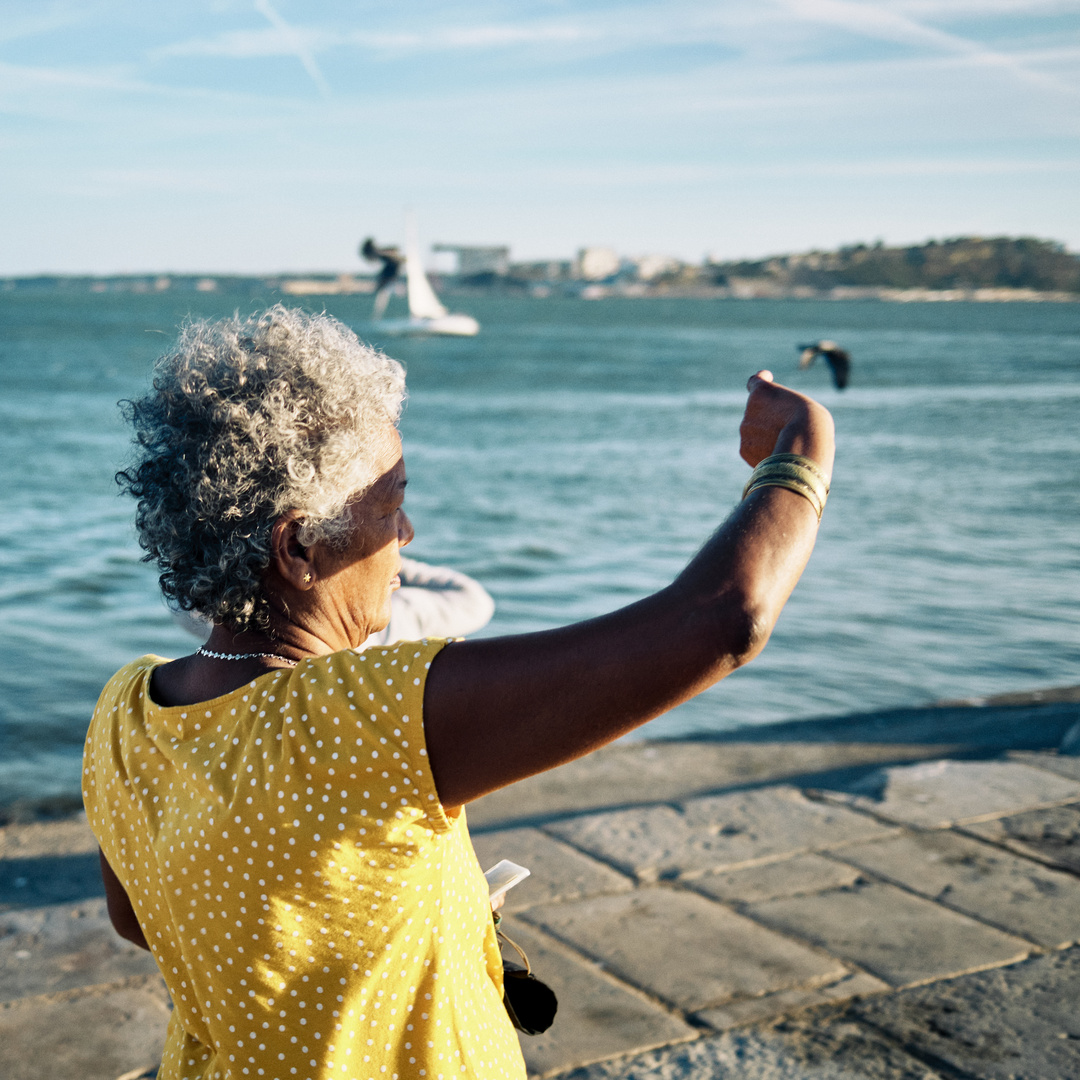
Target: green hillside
966	262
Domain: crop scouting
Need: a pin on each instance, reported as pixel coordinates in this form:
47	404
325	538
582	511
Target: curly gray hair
248	419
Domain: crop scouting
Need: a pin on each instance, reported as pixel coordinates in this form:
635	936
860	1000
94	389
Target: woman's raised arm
501	709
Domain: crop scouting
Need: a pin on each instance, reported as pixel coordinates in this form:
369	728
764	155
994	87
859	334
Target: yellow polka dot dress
314	911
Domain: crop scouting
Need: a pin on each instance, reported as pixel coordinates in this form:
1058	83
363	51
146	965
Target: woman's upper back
289	862
193	680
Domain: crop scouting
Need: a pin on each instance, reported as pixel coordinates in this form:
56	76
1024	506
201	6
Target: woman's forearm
501	709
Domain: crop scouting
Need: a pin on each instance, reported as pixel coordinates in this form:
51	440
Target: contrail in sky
303	53
872	21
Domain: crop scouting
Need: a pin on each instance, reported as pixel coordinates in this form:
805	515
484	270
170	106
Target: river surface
572	458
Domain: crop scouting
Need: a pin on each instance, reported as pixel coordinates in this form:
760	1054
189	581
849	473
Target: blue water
573	457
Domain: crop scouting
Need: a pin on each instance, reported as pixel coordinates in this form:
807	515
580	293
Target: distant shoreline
972	269
319	285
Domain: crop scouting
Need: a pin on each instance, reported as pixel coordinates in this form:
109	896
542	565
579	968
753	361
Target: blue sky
266	135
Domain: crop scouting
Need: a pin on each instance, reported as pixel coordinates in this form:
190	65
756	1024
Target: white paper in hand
504	875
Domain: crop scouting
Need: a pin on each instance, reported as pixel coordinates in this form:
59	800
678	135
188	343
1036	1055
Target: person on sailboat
427	315
392	261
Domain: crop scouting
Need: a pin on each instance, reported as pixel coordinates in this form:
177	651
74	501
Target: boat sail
427	315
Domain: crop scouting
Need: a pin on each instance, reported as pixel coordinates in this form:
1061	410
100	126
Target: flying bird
838	359
392	260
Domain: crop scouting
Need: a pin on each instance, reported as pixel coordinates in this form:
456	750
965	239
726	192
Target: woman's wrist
810	435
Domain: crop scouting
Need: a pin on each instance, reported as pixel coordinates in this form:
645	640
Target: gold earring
307	579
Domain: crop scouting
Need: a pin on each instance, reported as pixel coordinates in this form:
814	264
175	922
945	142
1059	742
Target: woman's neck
226	662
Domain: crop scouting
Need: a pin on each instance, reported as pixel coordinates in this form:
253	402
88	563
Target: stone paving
888	896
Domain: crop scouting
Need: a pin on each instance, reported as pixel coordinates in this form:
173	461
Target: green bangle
794	472
788	472
792	485
803	462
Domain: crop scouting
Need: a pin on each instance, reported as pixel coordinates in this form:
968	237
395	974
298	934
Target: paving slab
98	1033
50	862
898	937
803	1048
559	872
936	794
683	948
800	875
1062	764
1005	890
1007	1024
857	984
599	1017
1051	835
69	836
38	880
48	949
715	833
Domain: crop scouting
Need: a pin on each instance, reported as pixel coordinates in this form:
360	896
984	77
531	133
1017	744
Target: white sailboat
427	315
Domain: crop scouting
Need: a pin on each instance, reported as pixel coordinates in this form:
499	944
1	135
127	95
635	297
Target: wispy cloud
219	179
21	79
885	24
751	30
44	20
480	37
242	44
966	8
279	41
690	175
38	90
296	44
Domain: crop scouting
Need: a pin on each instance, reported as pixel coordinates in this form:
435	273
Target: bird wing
840	362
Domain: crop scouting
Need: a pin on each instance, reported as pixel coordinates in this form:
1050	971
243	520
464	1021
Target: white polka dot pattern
314	911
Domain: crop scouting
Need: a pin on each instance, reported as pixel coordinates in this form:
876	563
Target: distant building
650	267
545	271
475	261
596	264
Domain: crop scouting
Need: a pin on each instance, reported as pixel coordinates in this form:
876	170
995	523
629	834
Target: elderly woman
281	815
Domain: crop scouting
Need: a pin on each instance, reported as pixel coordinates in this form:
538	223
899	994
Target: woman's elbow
742	629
